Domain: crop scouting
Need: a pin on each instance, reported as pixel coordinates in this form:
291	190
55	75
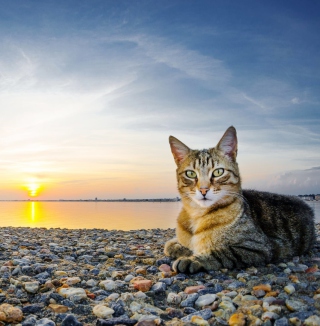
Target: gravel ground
102	277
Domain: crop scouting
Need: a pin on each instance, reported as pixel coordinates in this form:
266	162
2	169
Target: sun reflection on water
33	211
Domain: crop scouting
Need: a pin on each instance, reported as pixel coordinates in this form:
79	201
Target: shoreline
109	277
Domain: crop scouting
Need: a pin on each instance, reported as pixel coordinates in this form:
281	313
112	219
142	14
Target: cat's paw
174	249
187	265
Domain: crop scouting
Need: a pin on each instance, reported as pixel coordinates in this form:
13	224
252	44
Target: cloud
295	182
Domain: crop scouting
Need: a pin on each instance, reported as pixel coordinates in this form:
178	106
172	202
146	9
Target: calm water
105	215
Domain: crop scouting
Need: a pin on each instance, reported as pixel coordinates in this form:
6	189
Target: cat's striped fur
223	226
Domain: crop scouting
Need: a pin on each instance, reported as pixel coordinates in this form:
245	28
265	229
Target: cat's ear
178	149
228	144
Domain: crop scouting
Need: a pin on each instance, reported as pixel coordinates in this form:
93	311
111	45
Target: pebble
70	278
289	289
102	311
205	300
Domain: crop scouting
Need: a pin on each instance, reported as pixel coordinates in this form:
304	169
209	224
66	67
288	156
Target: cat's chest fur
208	230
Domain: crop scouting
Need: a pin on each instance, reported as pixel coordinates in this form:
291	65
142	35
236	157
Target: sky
91	90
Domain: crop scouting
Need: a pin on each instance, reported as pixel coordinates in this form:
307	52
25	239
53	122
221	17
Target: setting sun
33	189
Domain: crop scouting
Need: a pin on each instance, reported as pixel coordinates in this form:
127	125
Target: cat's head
210	176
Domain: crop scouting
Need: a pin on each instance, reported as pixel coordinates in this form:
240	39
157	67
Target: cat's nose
204	191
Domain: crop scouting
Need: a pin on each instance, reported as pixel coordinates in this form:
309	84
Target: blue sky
91	90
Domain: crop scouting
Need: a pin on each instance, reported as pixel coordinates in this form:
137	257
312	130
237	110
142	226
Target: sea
96	215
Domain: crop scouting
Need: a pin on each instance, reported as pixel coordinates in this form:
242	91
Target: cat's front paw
188	265
174	249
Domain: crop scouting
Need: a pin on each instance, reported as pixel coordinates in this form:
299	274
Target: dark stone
236	285
39	269
165	260
189	310
215	289
281	322
118	309
167	281
82	309
110	254
159	287
180	277
70	320
152	270
45	322
302	315
175	288
116	321
42	276
205	314
57	297
27	270
68	303
95	271
32	309
31	321
175	313
190	300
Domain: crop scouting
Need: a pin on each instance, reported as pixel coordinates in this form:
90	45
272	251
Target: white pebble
108	285
102	311
289	289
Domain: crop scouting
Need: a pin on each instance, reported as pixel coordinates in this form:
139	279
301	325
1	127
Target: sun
33	189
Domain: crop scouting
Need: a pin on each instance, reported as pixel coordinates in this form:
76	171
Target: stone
57	308
237	319
10	314
164	268
45	322
116	321
70	320
159	287
199	321
102	311
146	323
294	305
174	298
312	321
108	285
32	308
289	289
72	292
205	314
281	322
268	315
142	285
264	287
194	289
205	300
31	287
72	280
190	300
236	285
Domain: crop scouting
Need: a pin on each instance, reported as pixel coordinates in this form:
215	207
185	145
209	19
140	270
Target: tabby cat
221	225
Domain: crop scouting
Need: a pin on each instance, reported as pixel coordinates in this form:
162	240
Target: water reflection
33	211
104	215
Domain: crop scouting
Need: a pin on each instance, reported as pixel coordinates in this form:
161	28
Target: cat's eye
218	172
191	174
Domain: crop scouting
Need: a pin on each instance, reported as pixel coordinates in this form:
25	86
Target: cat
221	225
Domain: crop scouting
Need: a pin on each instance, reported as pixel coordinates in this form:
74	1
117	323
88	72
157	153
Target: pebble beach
108	277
